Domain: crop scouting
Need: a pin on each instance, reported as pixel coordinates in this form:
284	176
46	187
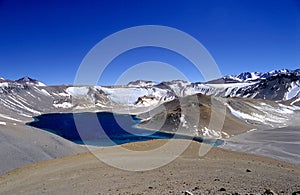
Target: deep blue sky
47	40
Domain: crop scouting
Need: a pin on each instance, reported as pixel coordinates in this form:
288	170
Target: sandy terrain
21	145
218	171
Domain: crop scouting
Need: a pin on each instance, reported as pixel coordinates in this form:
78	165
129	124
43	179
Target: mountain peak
28	80
25	79
255	76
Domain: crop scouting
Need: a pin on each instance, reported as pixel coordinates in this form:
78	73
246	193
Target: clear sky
47	40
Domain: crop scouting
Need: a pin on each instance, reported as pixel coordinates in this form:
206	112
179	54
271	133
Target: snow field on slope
293	91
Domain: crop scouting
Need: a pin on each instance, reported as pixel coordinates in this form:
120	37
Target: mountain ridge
30	97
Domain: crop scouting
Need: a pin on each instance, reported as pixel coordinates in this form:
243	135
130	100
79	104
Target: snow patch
2	123
183	121
63	105
21	105
45	92
227	85
64	94
3	85
125	95
7	117
293	91
40	84
254	76
295	101
264	118
77	91
147	101
212	133
251	130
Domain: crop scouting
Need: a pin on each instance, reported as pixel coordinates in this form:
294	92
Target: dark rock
248	170
222	190
296	193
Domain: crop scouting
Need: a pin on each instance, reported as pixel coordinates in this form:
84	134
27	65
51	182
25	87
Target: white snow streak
63	105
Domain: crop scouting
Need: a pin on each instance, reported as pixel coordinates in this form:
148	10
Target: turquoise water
114	129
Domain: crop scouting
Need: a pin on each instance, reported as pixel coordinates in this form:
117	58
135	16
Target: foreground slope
21	145
219	170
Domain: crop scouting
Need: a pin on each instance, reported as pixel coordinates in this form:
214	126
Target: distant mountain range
27	97
256	76
277	85
24	80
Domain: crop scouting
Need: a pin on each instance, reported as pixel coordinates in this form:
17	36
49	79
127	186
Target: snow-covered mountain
277	86
27	97
29	81
281	85
255	76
